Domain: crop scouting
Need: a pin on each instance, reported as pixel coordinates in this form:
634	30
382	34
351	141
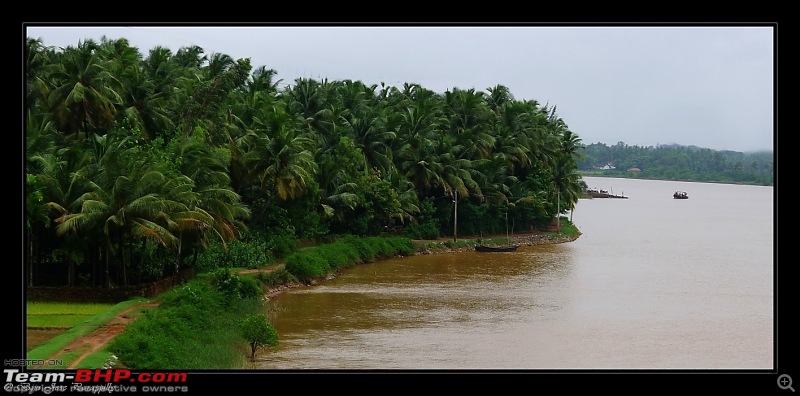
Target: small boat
480	247
680	195
486	248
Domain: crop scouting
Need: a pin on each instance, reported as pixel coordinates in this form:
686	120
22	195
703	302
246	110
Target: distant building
634	170
607	167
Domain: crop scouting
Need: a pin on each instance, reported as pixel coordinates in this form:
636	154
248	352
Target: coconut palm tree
565	175
85	91
38	64
144	105
371	136
282	159
214	209
125	197
469	122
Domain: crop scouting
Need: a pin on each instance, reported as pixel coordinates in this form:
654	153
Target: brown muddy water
652	283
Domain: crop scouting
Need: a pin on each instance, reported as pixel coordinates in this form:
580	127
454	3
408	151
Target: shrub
282	245
306	266
429	230
367	250
402	246
249	253
277	277
258	332
190	329
336	255
234	287
314	263
249	288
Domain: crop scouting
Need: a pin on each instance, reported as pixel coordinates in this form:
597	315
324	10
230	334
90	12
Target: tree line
137	165
676	162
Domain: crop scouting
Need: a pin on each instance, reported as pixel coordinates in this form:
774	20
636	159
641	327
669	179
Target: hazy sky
704	85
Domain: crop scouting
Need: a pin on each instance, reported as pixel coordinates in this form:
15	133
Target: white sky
705	85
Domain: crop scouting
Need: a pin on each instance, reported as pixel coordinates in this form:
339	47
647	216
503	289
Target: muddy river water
652	283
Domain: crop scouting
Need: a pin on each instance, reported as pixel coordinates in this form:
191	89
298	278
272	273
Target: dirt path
99	337
270	268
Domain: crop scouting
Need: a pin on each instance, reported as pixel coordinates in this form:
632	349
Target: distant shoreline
583	174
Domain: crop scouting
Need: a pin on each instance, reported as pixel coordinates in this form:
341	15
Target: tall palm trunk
108	273
141	262
30	257
178	257
95	259
558	214
71	273
120	259
194	256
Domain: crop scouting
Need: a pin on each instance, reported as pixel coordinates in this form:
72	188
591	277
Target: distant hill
677	162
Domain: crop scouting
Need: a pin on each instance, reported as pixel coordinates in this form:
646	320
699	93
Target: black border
619	381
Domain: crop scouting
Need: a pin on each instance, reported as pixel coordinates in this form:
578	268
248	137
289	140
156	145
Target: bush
316	262
277	277
212	257
402	246
429	230
234	287
337	255
190	329
366	247
249	253
258	332
306	266
282	245
249	288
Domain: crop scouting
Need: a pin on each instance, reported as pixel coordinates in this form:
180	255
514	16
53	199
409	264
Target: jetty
596	193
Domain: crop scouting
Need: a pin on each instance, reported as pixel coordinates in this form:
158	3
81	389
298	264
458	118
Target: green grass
567	228
193	328
497	241
61	315
196	326
50	308
61	321
68	357
101	359
61	341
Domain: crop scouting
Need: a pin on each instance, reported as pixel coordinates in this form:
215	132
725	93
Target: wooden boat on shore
481	247
680	195
487	248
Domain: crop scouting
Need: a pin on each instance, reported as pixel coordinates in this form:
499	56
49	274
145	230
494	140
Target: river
652	283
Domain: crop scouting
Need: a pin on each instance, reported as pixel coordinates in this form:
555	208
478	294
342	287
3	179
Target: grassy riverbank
197	325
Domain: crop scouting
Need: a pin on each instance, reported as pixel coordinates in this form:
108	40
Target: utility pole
558	215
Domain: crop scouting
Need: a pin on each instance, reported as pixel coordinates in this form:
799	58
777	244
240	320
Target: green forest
675	162
141	164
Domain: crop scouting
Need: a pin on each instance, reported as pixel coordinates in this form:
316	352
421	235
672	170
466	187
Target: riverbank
93	352
468	244
443	246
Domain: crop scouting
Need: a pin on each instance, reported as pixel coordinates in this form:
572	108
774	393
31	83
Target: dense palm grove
137	165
